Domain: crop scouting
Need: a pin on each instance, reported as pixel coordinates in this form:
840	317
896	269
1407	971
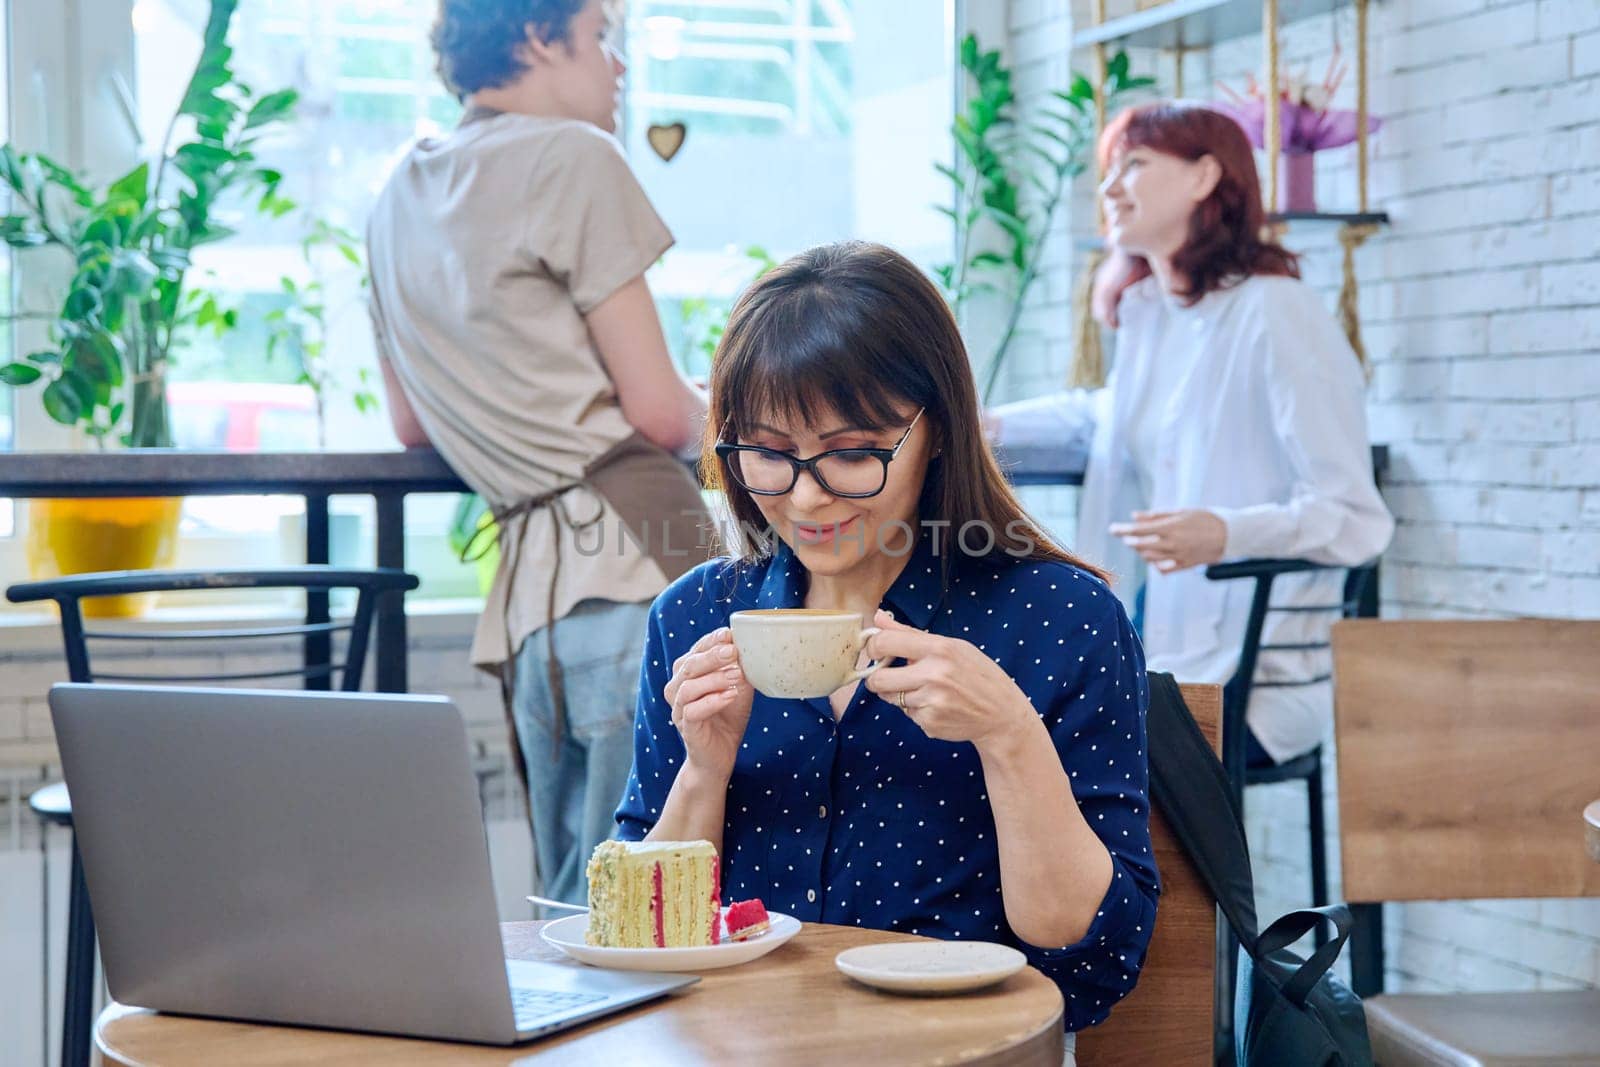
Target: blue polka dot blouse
868	821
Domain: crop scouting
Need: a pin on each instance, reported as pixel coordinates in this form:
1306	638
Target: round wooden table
791	1006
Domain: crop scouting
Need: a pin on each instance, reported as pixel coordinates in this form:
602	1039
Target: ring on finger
900	699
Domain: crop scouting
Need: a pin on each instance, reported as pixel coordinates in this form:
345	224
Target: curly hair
476	41
1224	243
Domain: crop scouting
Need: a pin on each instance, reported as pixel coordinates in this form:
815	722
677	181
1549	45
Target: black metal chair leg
1366	950
44	943
78	1006
1319	847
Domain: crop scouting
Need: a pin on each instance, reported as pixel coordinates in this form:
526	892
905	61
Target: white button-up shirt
1258	413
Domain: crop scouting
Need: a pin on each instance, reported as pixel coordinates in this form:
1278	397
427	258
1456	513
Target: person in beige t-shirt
518	337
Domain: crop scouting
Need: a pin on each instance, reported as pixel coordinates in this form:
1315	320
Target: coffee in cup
800	652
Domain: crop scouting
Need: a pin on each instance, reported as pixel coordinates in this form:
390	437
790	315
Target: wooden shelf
1335	218
1195	23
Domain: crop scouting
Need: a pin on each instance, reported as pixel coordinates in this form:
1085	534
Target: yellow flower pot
78	536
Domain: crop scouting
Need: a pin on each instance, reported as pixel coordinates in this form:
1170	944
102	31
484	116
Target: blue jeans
575	783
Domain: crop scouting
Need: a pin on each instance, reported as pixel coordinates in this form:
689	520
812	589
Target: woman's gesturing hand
948	687
710	698
1174	540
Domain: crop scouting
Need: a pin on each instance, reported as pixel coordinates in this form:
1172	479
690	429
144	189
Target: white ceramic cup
800	652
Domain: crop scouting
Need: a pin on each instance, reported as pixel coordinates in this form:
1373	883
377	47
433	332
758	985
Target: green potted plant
129	302
300	328
996	160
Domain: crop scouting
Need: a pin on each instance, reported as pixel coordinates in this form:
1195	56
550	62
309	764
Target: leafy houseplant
301	326
128	303
996	160
704	319
131	300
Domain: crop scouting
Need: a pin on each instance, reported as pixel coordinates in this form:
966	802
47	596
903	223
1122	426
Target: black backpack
1287	1010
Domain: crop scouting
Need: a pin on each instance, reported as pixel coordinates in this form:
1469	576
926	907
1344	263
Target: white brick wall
1481	313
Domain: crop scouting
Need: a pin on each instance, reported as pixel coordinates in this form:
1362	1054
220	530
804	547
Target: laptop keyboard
533	1006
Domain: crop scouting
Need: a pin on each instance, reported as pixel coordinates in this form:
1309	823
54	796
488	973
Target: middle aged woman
989	782
1233	424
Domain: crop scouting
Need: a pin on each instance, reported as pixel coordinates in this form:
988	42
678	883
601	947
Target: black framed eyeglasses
845	472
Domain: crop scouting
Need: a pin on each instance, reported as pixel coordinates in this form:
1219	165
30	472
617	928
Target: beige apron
643	484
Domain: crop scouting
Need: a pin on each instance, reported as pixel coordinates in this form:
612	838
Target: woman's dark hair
1224	244
852	329
476	42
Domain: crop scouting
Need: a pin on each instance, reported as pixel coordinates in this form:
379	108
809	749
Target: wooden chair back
1467	751
1168	1018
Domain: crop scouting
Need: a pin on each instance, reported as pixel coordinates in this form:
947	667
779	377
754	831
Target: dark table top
176	472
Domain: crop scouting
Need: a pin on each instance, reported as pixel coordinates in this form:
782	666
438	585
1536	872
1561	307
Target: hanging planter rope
1353	235
1089	358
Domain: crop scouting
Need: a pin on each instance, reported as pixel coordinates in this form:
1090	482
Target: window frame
67	63
66	67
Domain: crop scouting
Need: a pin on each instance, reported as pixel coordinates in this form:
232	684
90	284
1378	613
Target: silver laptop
316	859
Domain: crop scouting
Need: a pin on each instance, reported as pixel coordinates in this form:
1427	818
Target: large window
807	121
365	75
364	72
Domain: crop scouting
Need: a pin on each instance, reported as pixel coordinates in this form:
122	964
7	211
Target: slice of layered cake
663	894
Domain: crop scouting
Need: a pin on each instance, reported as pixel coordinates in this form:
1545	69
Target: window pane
8	399
367	87
849	101
364	70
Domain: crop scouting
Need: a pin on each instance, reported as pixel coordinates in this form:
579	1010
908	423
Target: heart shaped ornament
666	139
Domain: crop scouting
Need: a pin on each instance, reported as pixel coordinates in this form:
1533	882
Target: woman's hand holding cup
710	698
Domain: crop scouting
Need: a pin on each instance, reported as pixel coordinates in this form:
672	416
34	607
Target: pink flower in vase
1306	125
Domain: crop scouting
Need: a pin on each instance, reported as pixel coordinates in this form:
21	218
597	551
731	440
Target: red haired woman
1233	423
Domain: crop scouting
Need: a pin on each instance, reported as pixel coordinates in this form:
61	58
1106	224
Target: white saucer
567	935
931	966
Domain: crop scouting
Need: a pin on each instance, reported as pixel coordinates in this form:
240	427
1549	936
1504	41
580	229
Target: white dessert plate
567	935
931	966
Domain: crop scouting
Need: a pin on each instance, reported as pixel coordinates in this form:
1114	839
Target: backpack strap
1188	781
1288	929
